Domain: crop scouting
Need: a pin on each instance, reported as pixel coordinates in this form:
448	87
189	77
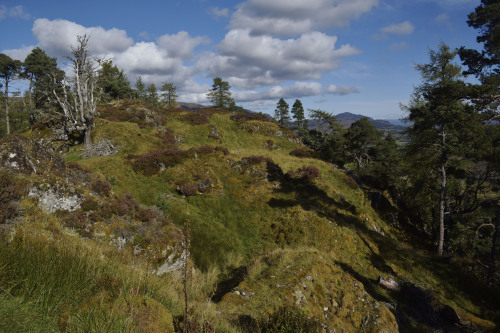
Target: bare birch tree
78	96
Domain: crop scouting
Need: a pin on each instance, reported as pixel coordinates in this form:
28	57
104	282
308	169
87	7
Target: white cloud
14	12
57	36
341	90
405	28
220	12
249	61
180	45
19	54
297	90
293	17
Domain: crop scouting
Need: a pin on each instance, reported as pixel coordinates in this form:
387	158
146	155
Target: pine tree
298	115
220	96
281	113
152	95
140	88
440	124
169	95
9	70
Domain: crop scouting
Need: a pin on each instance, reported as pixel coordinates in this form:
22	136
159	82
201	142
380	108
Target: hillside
95	241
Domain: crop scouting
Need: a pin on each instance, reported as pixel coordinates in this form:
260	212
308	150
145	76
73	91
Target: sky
355	56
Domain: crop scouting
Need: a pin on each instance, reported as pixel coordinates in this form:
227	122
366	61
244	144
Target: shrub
204	186
289	319
168	137
274	171
101	187
203	150
89	204
306	173
196	118
255	159
11	190
241	117
304	152
124	205
149	163
224	150
76	166
309	173
351	183
270	144
188	189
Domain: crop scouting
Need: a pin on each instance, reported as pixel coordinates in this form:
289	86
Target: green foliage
281	113
298	115
152	95
289	319
140	89
113	82
11	190
168	95
444	130
220	96
328	139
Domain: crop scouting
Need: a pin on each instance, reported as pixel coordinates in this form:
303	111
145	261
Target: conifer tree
440	131
281	113
140	88
220	95
152	94
298	115
169	95
9	69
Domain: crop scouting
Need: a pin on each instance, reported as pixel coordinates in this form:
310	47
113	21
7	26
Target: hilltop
97	240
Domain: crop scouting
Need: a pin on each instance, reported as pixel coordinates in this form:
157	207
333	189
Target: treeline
446	180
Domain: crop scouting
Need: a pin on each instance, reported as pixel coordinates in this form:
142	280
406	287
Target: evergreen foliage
113	82
281	113
152	95
140	89
9	69
169	95
220	95
299	116
442	130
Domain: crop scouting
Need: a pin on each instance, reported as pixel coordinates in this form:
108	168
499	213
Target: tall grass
63	284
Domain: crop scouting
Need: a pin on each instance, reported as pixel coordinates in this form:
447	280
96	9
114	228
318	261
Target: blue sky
336	55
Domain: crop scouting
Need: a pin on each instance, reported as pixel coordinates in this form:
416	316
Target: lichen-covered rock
19	153
54	199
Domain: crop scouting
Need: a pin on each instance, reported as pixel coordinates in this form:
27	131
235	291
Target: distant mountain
395	127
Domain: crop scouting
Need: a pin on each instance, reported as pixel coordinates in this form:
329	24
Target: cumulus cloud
297	90
57	36
249	61
19	54
341	90
404	28
14	12
220	12
293	17
180	45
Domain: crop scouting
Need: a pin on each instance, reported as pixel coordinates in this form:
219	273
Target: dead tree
78	95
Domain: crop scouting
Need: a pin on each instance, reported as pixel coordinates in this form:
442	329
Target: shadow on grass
416	309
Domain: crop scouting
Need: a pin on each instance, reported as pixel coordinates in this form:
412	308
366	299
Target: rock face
101	148
18	153
54	199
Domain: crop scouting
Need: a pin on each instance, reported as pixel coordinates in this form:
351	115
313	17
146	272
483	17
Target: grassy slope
319	242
